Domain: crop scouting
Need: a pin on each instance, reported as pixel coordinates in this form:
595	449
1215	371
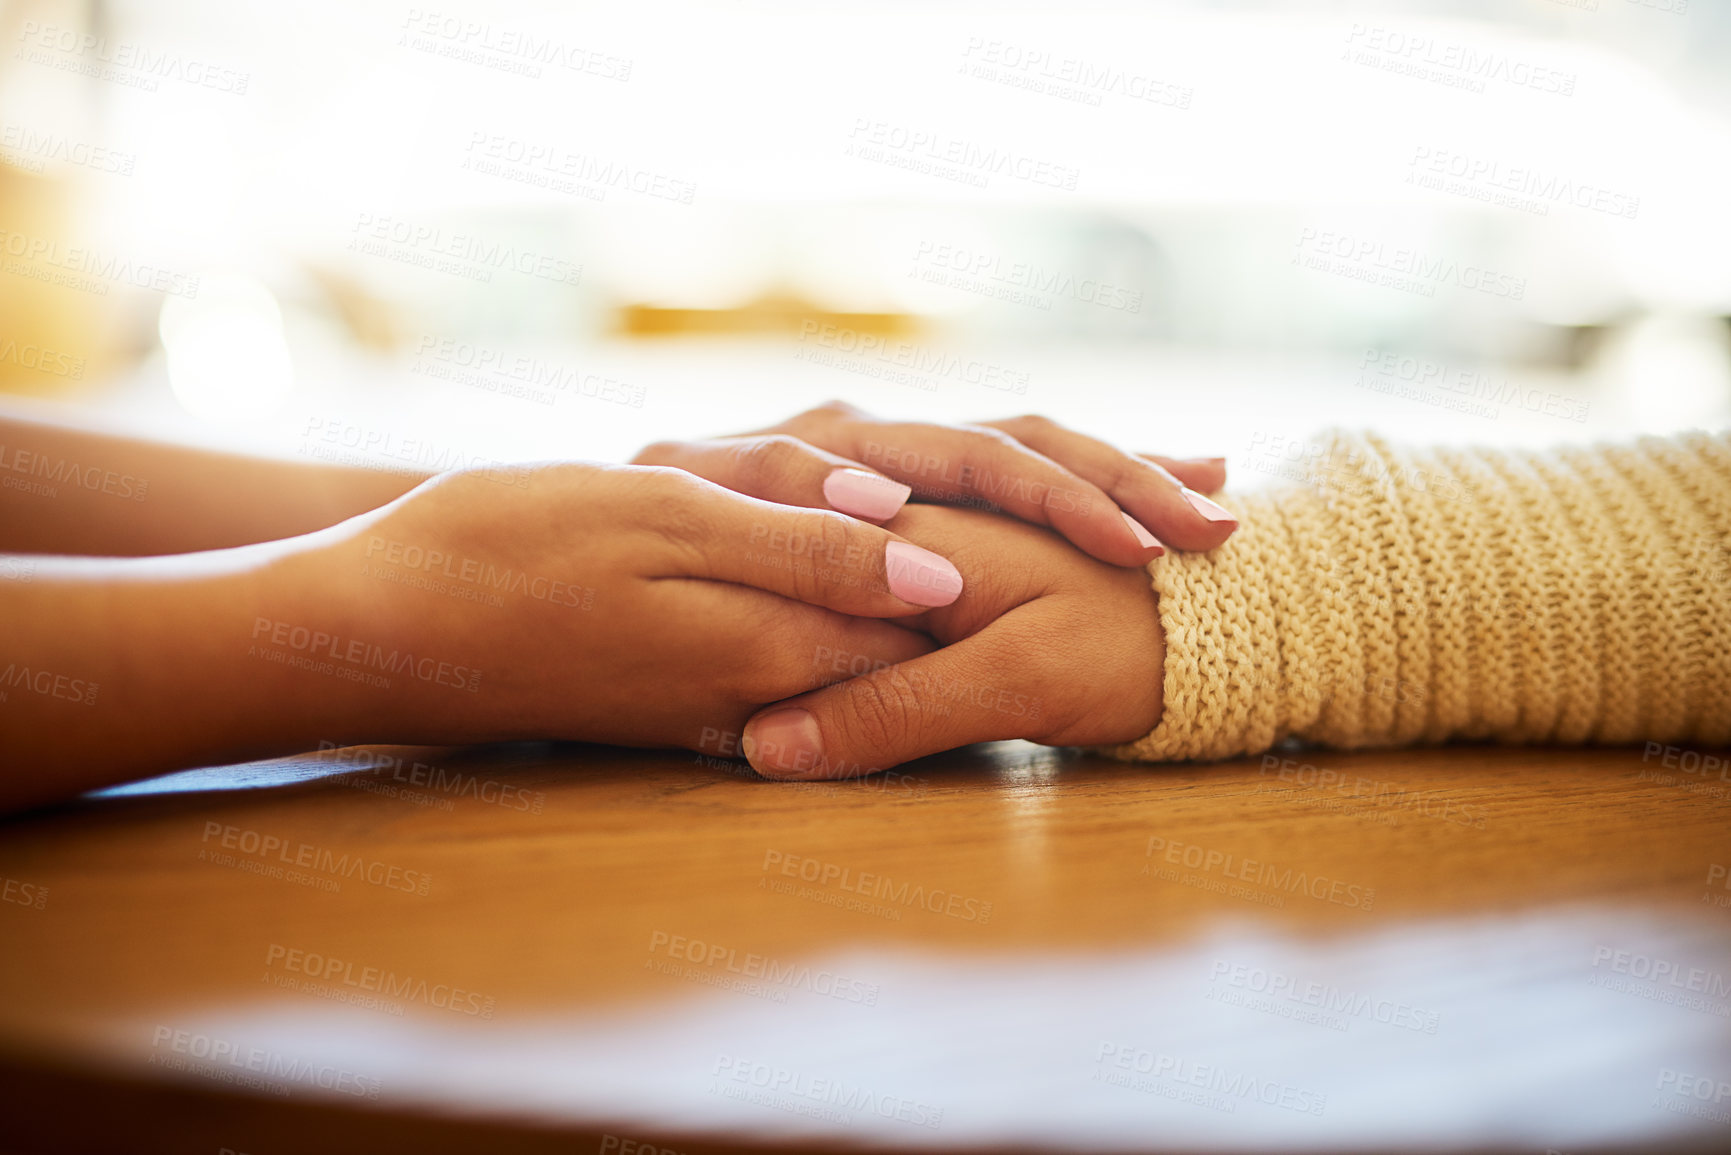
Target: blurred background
441	235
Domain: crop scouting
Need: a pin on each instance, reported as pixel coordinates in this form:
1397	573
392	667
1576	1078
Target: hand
1045	644
638	606
1101	498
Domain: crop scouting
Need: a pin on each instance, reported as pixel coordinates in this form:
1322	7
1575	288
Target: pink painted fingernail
785	742
1207	508
919	576
862	494
1143	538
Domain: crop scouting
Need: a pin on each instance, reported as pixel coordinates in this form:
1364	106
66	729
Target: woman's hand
1119	507
631	605
1045	643
620	604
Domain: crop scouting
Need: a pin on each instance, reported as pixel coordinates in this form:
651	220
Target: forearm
66	490
1394	596
115	669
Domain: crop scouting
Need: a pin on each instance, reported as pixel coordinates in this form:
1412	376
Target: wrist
369	649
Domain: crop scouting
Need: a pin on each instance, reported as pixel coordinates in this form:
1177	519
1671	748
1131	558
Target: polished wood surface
1469	947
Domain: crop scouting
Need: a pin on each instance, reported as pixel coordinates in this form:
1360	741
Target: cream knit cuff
1384	596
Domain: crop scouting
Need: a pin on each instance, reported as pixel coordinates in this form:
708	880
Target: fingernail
1143	537
785	742
1220	461
1207	508
862	494
919	576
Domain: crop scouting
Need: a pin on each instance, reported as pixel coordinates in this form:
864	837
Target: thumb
895	713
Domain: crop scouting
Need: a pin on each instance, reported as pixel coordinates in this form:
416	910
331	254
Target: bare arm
558	601
67	490
115	668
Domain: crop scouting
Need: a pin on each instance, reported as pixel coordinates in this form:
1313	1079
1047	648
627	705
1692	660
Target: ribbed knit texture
1397	596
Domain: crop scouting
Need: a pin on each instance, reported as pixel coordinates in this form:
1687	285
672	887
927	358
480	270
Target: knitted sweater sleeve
1387	596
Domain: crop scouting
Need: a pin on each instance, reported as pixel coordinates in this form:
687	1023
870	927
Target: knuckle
668	481
657	453
882	711
1030	424
1122	472
765	463
672	501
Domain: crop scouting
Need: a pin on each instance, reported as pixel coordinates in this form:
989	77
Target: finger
1203	474
972	465
814	556
763	648
1178	516
781	468
948	698
768	648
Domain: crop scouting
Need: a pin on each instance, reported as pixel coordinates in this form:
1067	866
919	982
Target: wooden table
575	948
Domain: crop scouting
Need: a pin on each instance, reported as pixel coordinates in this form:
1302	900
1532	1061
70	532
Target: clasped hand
773	593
